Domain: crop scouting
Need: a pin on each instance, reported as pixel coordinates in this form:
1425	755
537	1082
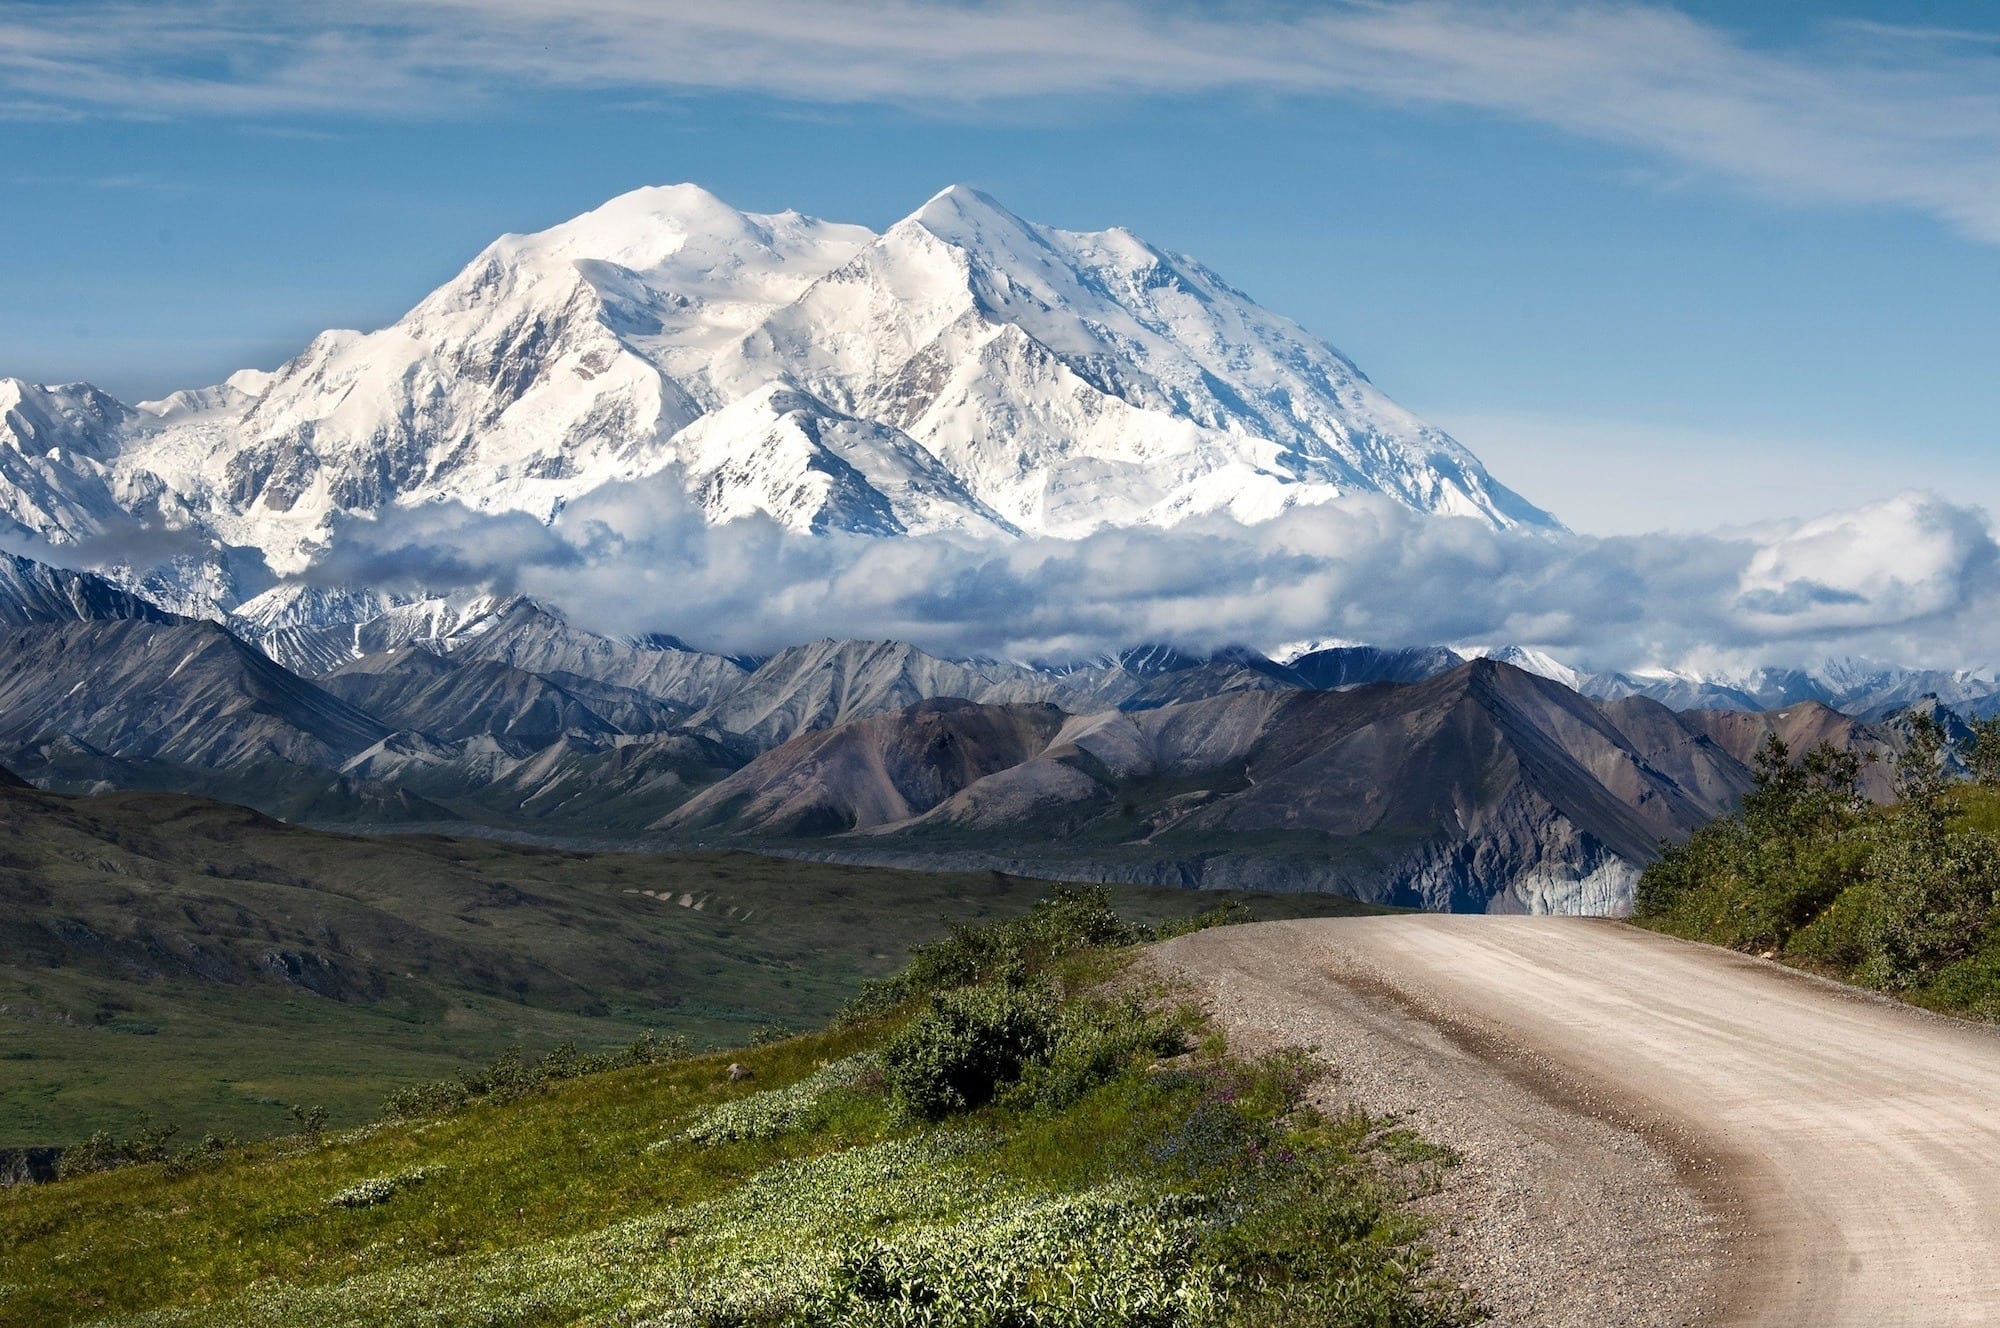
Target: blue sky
1661	267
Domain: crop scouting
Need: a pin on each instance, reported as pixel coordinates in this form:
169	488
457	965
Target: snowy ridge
964	372
33	593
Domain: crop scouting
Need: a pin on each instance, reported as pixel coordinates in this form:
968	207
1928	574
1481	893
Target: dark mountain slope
182	692
1483	788
1353	666
873	771
33	592
449	699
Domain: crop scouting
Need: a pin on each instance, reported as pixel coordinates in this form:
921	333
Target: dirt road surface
1654	1132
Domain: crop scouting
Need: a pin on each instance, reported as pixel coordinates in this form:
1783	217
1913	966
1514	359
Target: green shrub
1895	897
1228	913
103	1151
1838	936
967	1045
1981	751
212	1148
1093	1040
1935	892
1073	919
507	1077
1755	878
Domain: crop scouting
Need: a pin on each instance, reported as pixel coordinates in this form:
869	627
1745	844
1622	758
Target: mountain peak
639	229
962	198
969	370
963	215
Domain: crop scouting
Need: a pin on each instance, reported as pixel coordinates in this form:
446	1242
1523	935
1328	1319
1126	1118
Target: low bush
1228	913
379	1189
508	1076
968	1044
211	1149
777	1111
1073	919
103	1151
1096	1038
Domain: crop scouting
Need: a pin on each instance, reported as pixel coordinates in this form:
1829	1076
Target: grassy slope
557	1209
1827	937
442	952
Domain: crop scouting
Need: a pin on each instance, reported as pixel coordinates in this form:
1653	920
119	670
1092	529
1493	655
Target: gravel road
1654	1132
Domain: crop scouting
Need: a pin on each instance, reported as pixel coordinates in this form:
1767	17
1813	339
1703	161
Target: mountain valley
208	964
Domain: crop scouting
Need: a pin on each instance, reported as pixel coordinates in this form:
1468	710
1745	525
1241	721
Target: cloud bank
1857	114
1913	580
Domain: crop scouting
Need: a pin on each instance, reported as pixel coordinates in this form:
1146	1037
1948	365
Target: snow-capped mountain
964	371
1860	688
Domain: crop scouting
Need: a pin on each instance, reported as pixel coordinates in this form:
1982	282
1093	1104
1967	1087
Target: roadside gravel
1567	1210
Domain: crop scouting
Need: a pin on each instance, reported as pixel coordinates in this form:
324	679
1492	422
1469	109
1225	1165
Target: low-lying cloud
1913	579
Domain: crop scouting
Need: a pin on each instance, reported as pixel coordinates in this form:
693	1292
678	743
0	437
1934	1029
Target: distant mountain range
965	374
1406	776
963	371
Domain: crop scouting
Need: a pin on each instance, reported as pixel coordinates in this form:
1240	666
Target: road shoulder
1567	1210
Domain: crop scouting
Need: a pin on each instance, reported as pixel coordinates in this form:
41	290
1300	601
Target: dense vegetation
1011	1132
1904	898
216	968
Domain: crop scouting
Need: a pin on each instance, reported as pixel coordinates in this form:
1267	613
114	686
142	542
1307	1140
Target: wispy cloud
1854	114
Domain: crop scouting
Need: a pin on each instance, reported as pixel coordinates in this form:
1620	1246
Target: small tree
1935	885
1923	810
1760	875
1804	800
1981	751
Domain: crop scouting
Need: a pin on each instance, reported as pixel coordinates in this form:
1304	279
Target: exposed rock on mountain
575	783
825	683
528	636
1483	788
449	699
874	771
1802	727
